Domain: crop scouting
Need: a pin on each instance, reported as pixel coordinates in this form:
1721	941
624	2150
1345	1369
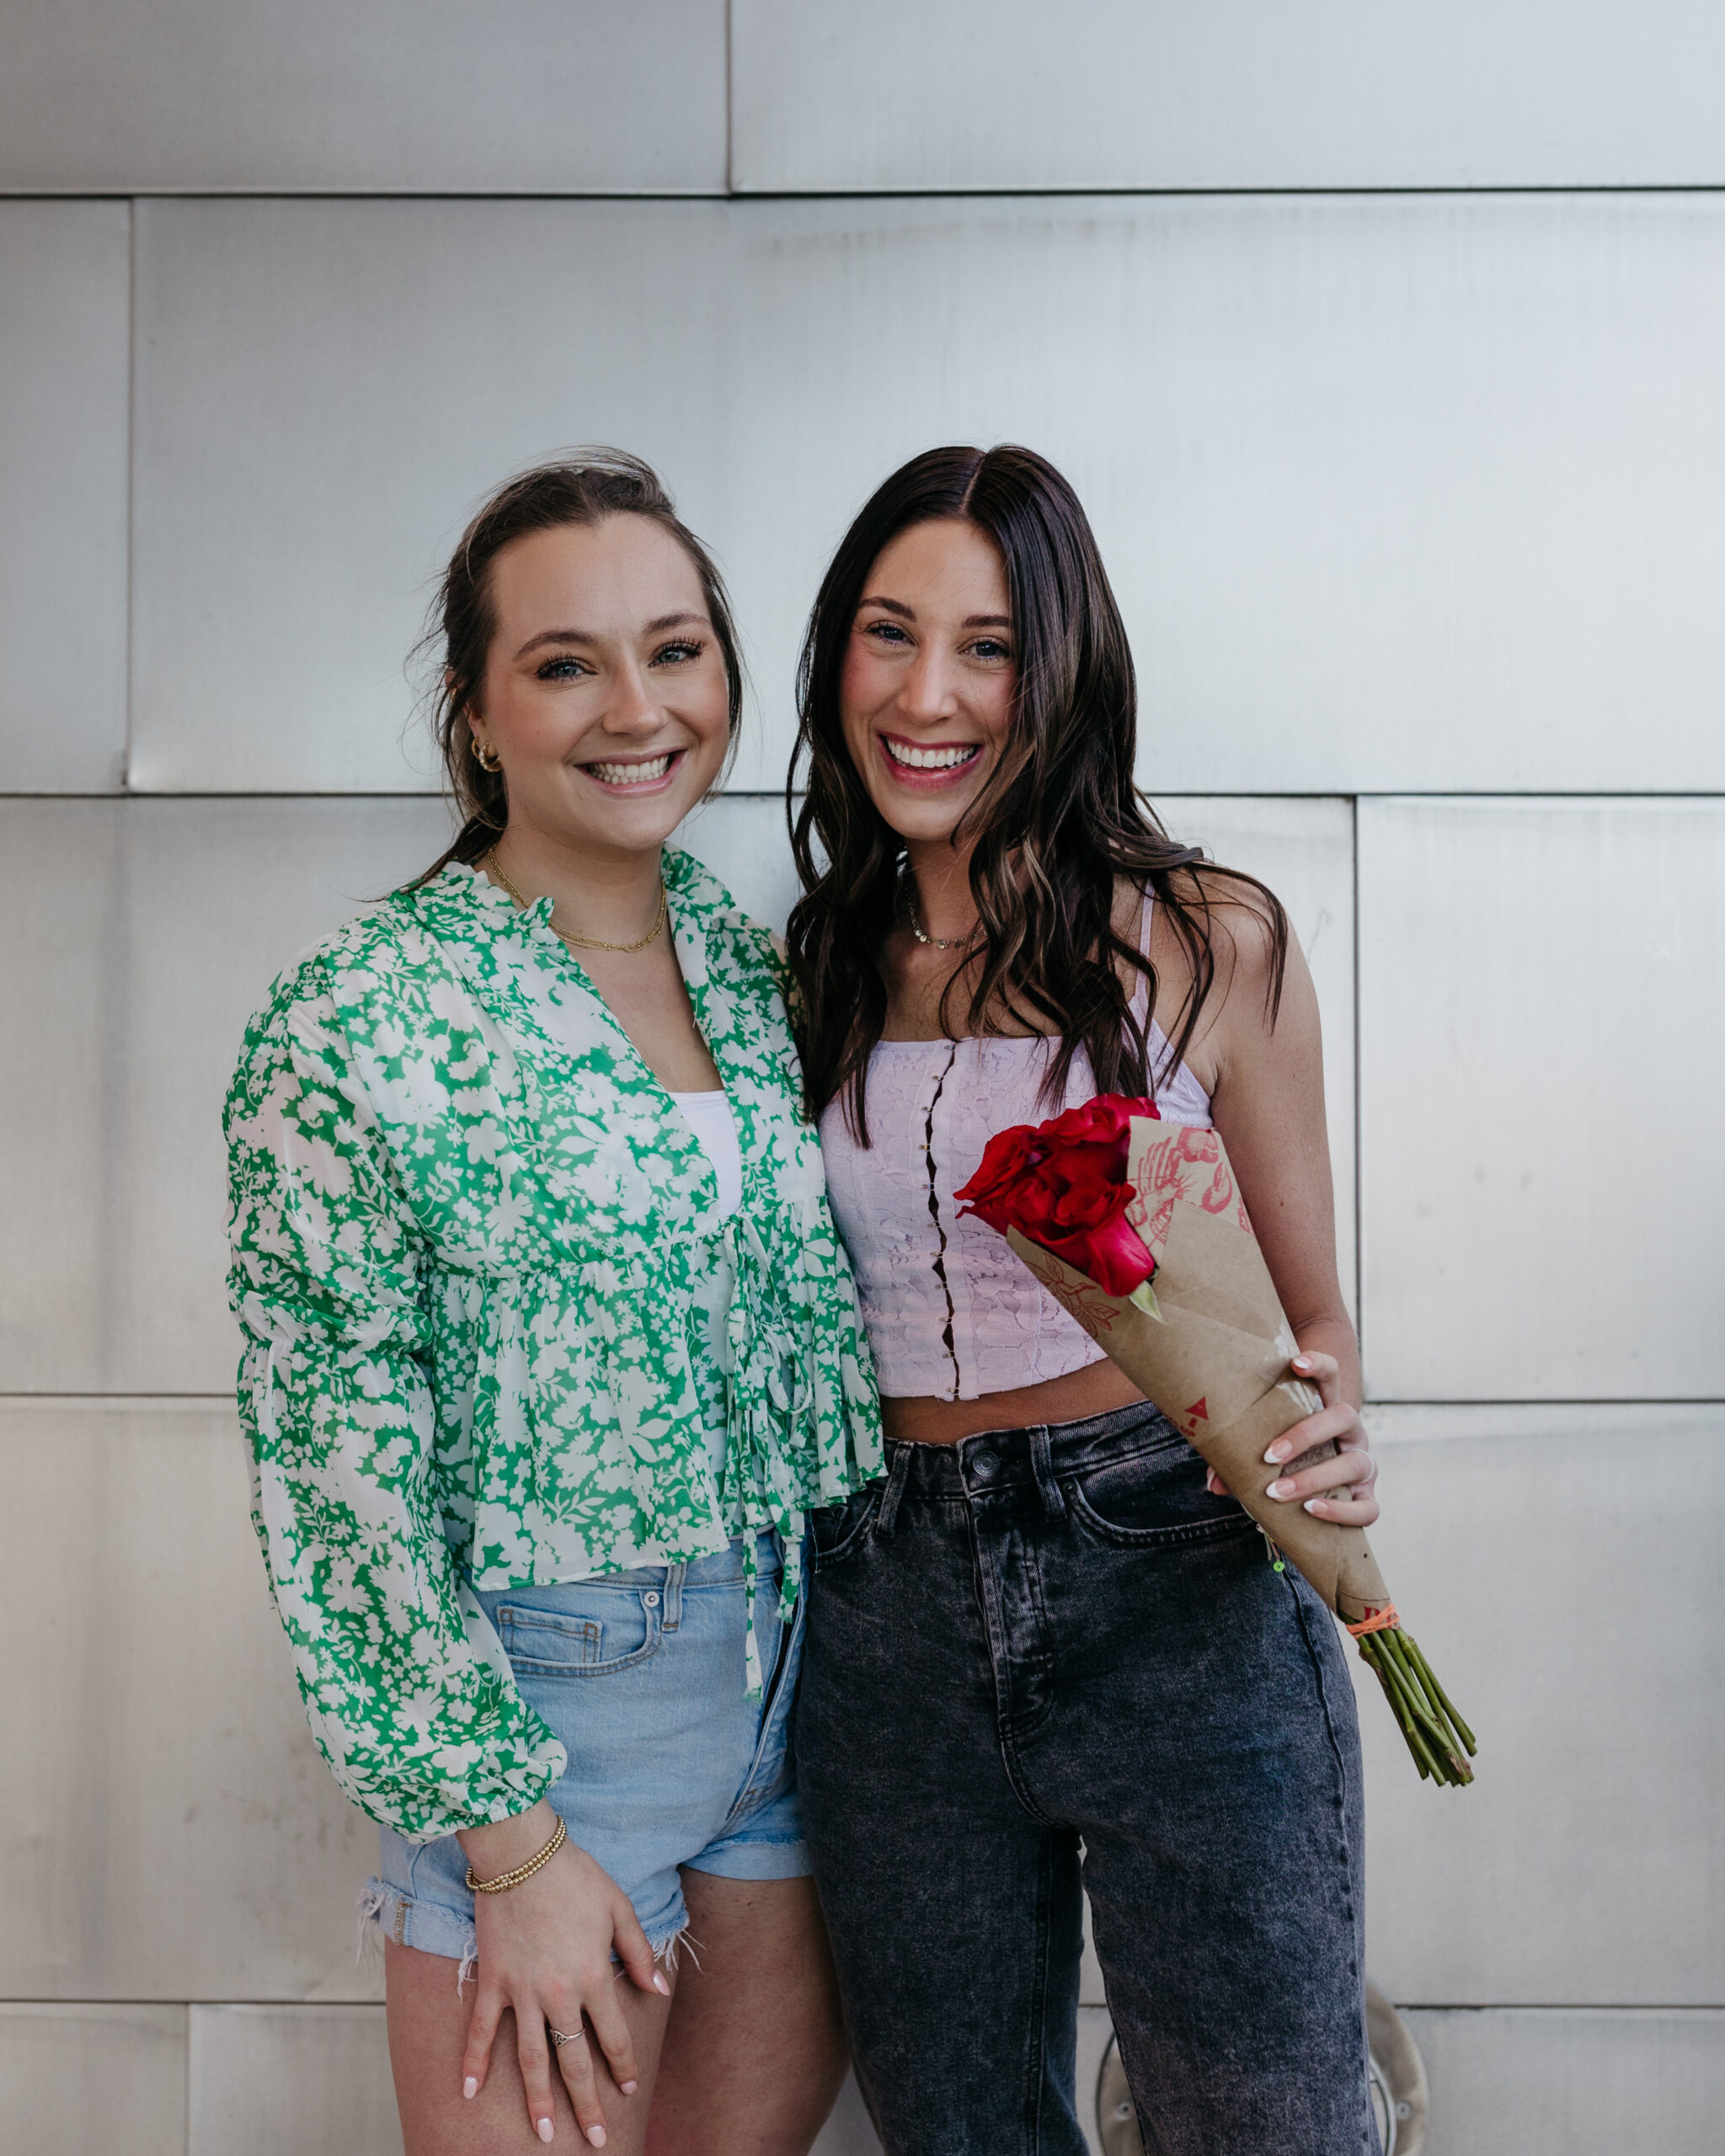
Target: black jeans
1042	1637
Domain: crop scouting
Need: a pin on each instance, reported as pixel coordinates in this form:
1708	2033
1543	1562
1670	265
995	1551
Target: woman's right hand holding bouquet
1342	1486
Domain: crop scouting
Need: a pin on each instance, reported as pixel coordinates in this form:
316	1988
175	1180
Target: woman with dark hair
1049	1631
550	1345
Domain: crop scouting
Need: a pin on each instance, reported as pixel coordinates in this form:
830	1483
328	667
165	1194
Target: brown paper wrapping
1216	1362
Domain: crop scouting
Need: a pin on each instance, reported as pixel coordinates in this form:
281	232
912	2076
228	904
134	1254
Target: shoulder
388	940
301	1013
1240	920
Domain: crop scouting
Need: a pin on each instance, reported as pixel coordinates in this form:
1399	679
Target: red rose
1084	1206
1113	1256
1063	1186
1091	1141
1102	1121
1008	1156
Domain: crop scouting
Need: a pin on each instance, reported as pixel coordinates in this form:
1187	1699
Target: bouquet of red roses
1134	1226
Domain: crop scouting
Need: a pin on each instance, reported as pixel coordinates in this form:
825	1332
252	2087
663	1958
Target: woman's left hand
1342	1488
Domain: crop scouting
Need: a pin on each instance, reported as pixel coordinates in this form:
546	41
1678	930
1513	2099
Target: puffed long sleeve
407	1689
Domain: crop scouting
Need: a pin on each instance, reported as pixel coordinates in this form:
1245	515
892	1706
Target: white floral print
489	1313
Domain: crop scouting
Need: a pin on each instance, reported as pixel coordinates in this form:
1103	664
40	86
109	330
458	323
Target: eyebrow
908	614
652	628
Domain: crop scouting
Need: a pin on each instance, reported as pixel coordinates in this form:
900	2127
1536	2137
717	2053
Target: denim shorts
641	1677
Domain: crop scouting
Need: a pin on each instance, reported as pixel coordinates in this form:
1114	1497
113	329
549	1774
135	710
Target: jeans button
983	1464
651	1599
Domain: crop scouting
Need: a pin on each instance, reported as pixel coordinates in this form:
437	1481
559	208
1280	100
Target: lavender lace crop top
950	1312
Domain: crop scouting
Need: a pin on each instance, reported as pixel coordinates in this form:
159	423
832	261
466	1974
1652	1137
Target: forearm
1335	1335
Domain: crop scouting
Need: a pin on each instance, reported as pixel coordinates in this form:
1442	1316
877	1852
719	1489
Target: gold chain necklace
922	936
568	935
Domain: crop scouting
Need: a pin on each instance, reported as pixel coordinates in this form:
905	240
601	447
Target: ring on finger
557	2037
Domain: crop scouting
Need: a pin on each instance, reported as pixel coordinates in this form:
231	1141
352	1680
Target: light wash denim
641	1674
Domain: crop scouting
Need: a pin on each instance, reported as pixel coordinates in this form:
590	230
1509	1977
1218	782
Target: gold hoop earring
486	756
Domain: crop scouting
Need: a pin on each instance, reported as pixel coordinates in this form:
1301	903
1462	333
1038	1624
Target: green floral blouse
489	1314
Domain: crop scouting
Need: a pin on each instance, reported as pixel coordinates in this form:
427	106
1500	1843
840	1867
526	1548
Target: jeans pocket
1154	1496
616	1628
837	1532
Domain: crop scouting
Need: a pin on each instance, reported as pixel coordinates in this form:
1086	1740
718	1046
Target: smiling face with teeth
925	697
605	694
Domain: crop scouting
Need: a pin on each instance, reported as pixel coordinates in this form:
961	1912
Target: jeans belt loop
887	1518
1042	1465
672	1612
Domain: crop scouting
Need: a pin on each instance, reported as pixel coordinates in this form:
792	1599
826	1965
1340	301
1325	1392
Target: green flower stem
1415	1727
1457	1736
1395	1669
1424	1706
1435	1734
1444	1701
1424	1756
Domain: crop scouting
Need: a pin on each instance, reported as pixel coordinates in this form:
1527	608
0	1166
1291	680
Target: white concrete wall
1413	501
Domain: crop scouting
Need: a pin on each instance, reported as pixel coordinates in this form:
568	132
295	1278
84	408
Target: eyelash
570	669
890	633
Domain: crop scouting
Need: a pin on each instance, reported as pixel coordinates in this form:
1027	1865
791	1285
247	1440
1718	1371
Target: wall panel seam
1601	189
1558	2006
730	109
1359	1156
132	451
1639	1403
134	195
1592	190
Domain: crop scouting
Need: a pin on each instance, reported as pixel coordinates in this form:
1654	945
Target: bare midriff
1096	1390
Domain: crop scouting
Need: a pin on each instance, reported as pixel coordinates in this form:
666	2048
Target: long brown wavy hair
1058	827
583	488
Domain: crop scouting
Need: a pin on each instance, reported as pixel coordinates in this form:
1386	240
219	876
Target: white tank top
951	1312
711	1117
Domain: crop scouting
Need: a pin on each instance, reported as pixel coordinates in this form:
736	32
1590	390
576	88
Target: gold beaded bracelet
506	1879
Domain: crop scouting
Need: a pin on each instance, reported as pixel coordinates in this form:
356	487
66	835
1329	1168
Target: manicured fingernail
1312	1503
1281	1488
1276	1454
595	2134
660	1985
546	2129
1302	1362
470	2087
628	2088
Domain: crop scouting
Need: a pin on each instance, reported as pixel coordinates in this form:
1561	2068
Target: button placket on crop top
951	1313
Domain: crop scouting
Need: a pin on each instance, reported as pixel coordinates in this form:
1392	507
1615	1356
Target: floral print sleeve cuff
489	1312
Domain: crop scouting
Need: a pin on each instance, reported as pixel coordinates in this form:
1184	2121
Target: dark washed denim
1043	1637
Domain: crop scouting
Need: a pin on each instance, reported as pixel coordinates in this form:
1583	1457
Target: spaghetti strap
1140	994
1165	1074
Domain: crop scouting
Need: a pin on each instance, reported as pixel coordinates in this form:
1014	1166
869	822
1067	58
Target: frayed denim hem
385	1912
